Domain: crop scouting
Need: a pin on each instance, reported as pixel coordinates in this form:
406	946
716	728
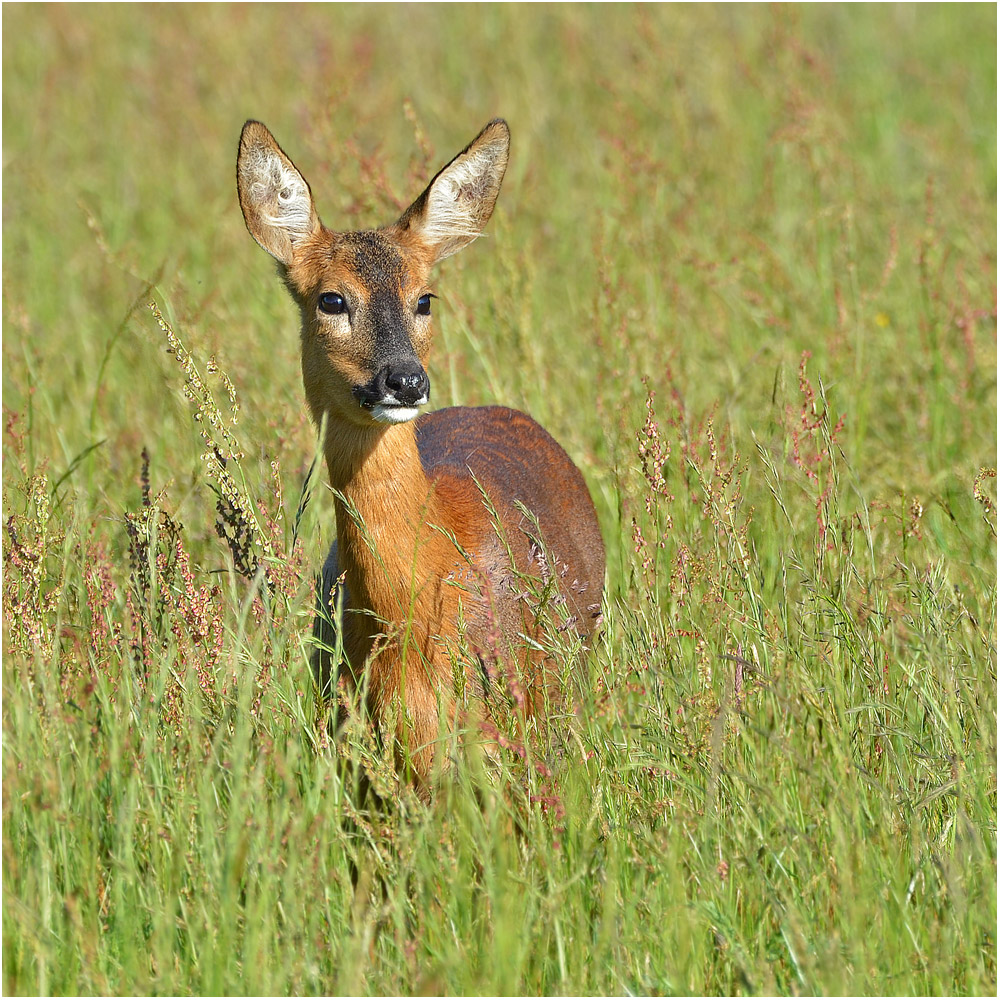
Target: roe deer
430	510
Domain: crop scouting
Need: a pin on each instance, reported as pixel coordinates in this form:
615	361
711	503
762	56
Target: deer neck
383	505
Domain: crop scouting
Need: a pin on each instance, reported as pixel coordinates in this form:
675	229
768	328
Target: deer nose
408	383
402	384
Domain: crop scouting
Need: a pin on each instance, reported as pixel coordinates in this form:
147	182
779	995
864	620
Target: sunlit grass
743	267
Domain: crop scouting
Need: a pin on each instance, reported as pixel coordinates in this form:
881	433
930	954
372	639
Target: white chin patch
394	414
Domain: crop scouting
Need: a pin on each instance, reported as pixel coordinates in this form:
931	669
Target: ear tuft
275	198
459	201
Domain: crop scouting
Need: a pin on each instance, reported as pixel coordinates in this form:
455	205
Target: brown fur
420	552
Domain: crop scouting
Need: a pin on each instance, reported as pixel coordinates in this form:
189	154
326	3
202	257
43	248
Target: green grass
744	268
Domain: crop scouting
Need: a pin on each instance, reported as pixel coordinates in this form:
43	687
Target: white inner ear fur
275	185
455	204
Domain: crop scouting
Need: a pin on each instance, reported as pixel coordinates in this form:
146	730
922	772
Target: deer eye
424	305
332	303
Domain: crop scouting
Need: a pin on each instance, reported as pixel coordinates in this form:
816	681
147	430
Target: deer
442	515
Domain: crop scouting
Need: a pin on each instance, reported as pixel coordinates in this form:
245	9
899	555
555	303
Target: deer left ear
275	198
458	203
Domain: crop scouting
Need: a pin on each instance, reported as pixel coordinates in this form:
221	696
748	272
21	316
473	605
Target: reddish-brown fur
427	573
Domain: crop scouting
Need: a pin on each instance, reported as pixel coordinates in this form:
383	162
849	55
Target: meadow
743	267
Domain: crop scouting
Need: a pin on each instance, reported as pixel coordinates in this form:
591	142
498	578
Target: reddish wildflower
812	443
654	453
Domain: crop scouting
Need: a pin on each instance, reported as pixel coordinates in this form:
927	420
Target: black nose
402	383
407	382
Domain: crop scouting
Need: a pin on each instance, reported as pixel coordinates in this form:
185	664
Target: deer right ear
275	198
451	213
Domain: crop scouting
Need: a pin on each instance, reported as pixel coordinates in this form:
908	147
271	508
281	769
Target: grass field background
743	267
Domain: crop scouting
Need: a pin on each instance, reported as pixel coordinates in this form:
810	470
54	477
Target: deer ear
276	201
458	203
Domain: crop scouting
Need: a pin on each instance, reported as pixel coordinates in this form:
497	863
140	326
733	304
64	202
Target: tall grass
744	269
